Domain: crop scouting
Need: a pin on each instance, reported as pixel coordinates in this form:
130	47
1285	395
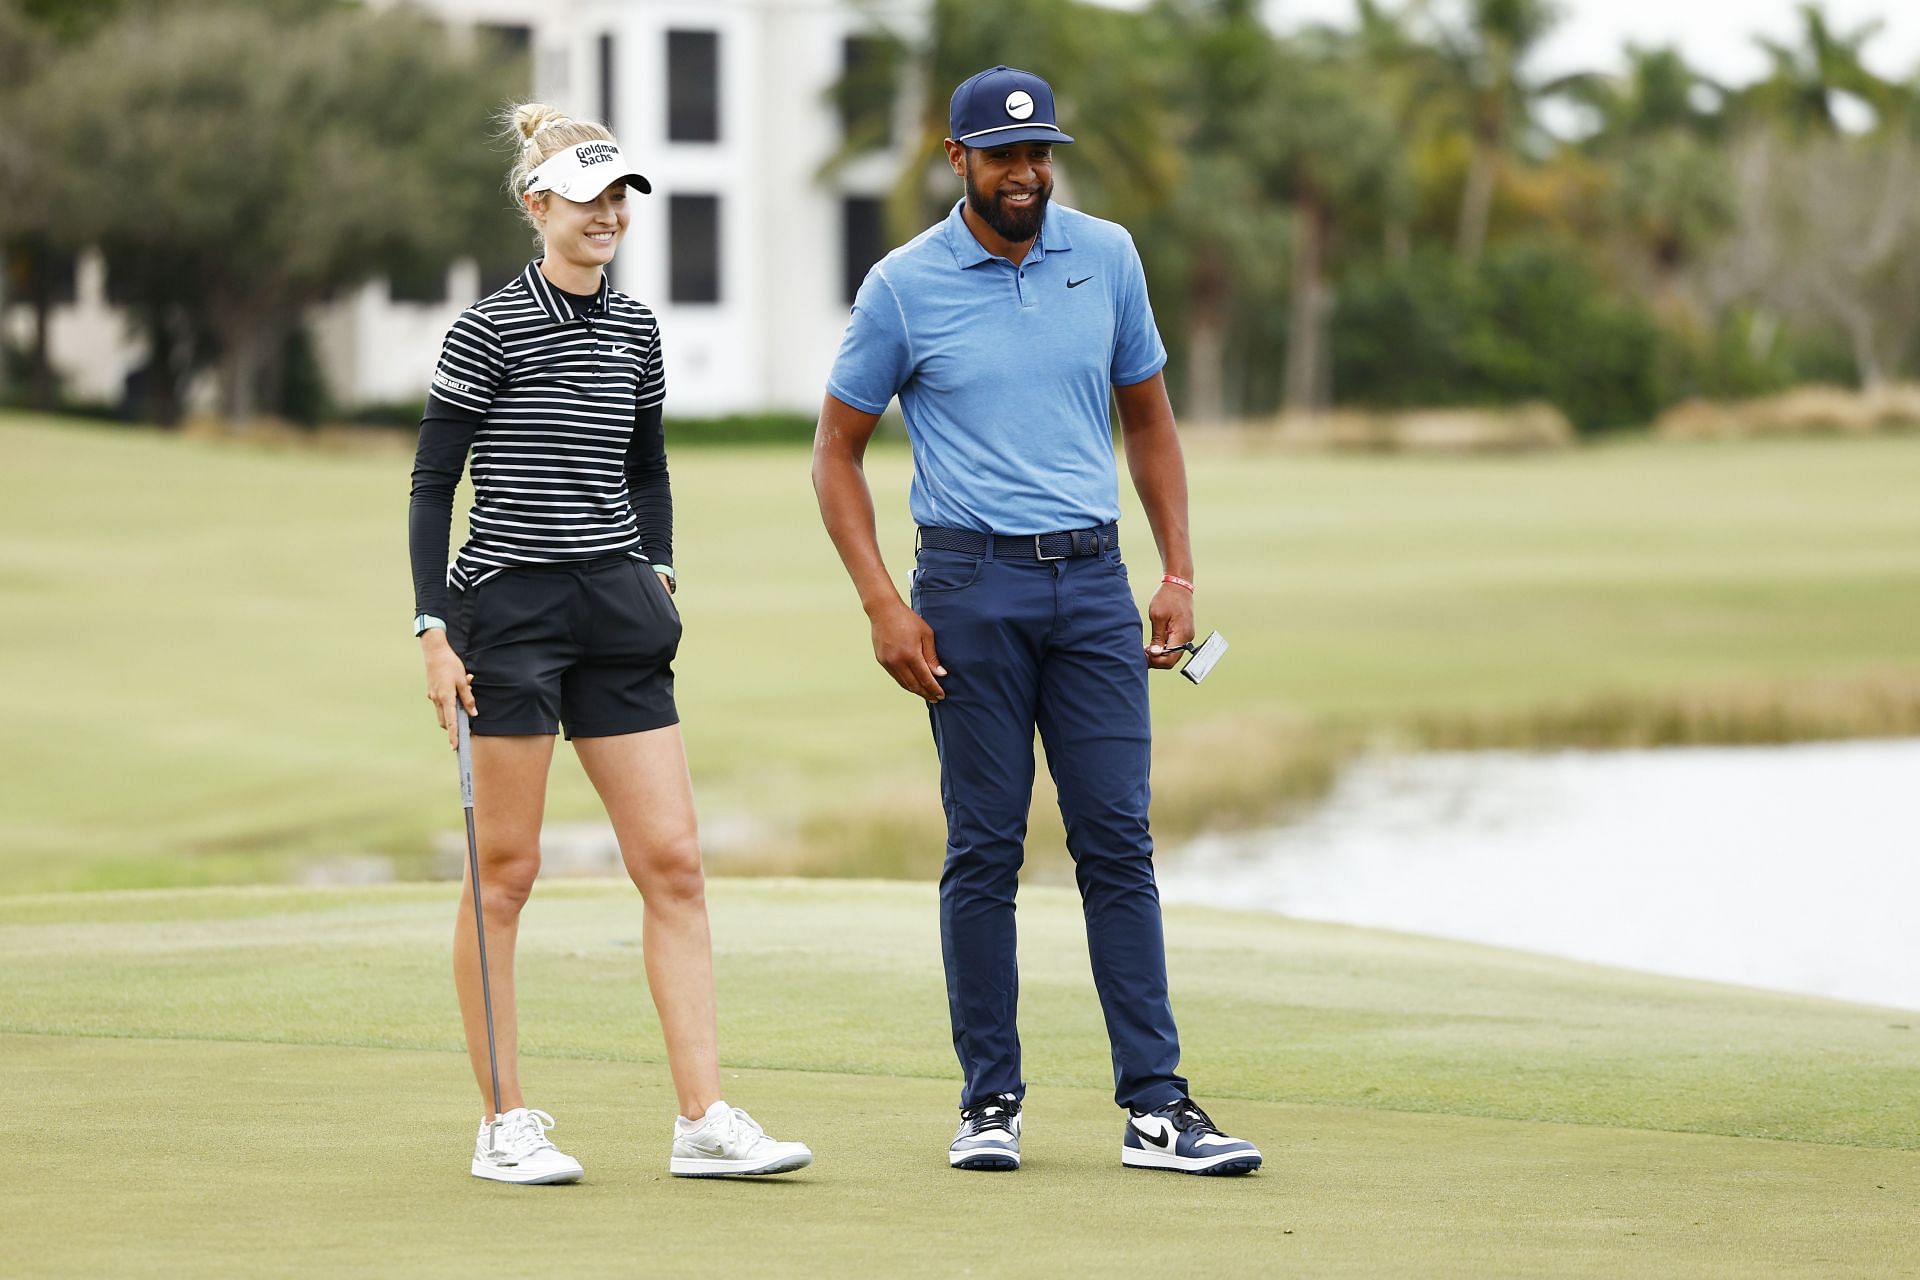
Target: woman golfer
556	613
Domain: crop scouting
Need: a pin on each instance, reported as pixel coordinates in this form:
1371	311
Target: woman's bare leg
642	779
509	798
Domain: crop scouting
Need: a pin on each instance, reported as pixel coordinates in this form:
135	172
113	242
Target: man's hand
449	683
903	644
1171	613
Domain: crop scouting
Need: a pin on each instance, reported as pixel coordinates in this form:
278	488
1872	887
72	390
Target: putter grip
466	759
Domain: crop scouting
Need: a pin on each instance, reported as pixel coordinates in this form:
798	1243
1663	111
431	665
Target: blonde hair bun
530	118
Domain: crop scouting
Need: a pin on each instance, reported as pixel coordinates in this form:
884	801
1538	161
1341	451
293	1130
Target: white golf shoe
515	1148
726	1143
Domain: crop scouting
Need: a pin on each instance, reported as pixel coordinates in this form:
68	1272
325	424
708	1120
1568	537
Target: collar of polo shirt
582	171
969	252
547	296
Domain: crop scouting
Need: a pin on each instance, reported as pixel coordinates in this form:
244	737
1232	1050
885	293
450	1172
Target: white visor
582	171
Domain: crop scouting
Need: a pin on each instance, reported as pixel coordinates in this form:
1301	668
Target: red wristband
1176	580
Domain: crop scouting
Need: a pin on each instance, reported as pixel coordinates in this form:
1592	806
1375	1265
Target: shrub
1531	323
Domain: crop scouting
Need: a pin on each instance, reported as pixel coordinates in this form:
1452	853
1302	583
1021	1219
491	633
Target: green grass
270	1082
209	678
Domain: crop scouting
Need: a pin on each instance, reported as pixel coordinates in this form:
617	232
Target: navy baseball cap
1002	104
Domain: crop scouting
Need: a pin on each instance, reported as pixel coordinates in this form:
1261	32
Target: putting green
268	1082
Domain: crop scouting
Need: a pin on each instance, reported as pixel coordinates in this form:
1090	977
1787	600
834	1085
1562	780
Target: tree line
237	163
1396	211
1402	211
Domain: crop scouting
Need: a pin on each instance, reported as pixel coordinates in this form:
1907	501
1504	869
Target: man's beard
1016	226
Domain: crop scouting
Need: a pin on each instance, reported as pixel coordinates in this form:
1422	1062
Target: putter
479	920
1203	657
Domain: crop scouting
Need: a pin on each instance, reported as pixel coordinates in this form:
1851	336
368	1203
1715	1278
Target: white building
744	252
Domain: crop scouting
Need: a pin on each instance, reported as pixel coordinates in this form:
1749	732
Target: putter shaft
479	919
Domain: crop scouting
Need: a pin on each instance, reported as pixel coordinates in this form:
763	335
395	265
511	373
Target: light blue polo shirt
1005	373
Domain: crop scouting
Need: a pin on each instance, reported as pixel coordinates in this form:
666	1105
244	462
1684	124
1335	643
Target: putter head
1205	657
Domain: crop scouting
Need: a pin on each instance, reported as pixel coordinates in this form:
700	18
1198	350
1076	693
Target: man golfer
1004	330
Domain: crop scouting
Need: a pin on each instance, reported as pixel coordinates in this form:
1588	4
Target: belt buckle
1040	553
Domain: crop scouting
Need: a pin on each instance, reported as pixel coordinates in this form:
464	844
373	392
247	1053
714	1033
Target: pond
1795	867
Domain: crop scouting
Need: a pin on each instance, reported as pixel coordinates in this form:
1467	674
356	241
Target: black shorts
588	644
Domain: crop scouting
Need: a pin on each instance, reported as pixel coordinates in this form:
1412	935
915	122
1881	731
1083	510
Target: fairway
210	678
269	1082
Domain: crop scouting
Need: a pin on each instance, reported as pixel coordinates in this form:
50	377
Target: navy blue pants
1054	645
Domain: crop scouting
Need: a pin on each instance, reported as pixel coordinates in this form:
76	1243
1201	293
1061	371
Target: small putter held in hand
1203	657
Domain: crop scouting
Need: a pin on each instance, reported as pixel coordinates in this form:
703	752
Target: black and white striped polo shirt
556	394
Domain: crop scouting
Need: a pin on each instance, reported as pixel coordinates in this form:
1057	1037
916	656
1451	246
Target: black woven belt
1068	545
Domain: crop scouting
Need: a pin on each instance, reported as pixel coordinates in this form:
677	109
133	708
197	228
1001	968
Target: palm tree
1406	78
1807	81
1660	141
1101	75
1333	156
1659	92
1216	233
1487	55
1828	227
1284	152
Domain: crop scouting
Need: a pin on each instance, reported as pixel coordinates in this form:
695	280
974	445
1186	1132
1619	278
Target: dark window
869	85
495	277
861	229
127	284
606	81
506	42
137	276
62	274
693	86
508	54
415	279
693	243
32	268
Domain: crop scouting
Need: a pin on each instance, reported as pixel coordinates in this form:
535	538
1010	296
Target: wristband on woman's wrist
1176	580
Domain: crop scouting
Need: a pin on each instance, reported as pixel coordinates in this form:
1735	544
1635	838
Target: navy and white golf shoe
989	1137
1181	1137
